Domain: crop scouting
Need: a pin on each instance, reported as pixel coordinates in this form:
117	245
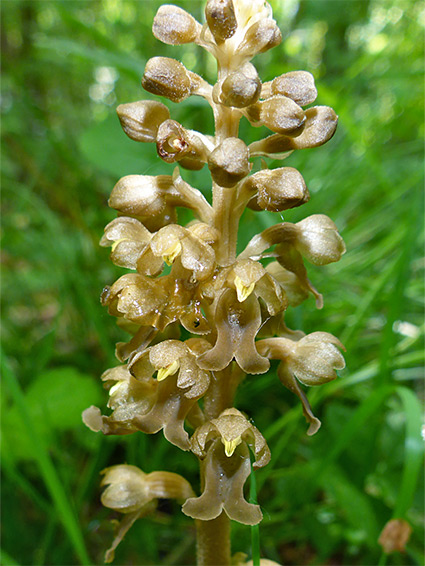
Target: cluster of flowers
232	305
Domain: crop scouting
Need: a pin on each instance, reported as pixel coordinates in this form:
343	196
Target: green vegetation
66	65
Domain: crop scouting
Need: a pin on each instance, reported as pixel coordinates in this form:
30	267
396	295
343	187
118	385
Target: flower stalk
231	306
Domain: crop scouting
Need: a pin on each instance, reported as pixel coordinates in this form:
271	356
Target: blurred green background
66	65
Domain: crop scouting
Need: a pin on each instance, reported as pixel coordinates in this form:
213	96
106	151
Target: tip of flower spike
163	373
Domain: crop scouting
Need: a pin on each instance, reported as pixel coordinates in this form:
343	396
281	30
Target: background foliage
66	65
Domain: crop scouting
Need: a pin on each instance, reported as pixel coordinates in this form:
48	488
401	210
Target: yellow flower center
115	244
242	290
119	384
163	373
171	253
230	445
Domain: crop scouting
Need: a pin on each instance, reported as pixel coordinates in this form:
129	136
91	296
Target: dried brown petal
220	16
297	85
167	77
229	163
175	26
175	143
395	535
141	120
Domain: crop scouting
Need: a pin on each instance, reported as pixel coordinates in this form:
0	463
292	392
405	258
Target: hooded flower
192	246
179	384
128	399
142	403
222	444
155	303
128	238
316	238
312	360
136	298
134	493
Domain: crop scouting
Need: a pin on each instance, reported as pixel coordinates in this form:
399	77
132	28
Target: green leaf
354	503
55	401
64	511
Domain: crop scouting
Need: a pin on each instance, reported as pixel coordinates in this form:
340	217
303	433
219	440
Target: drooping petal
168	413
237	325
224	480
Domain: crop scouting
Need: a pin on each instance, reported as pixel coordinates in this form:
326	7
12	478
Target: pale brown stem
213	537
226	222
213	541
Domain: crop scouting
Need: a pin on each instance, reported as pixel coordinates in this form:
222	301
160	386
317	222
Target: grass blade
255	529
413	451
63	507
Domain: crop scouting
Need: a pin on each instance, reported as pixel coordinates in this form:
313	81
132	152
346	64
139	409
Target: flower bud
221	19
140	120
279	113
229	163
241	88
140	195
279	189
260	37
320	126
175	26
167	77
297	85
318	240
